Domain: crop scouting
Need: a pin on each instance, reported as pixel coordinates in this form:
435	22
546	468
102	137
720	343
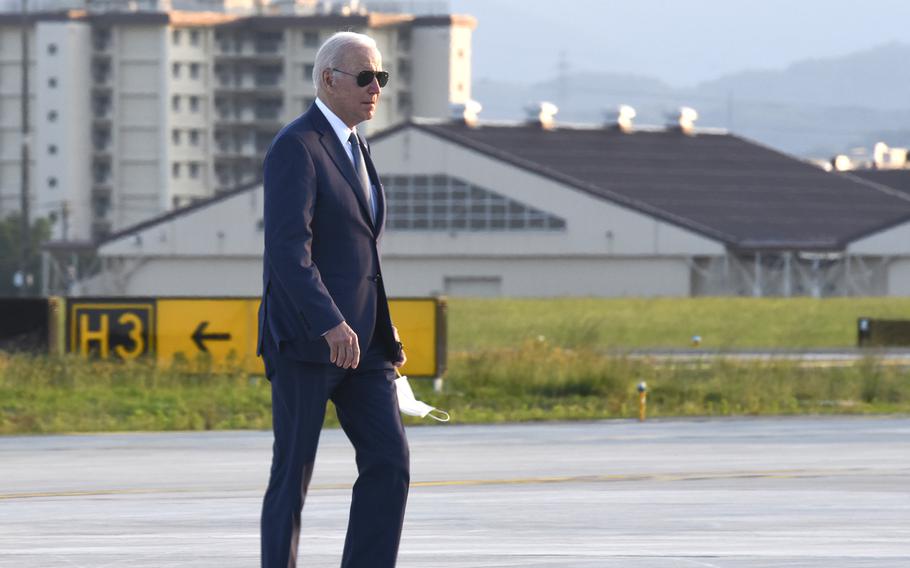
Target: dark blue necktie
361	168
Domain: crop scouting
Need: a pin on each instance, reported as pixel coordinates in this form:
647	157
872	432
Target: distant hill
876	78
813	108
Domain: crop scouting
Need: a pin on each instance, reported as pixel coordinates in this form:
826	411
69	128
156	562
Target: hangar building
545	209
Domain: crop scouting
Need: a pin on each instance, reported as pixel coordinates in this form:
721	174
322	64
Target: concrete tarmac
730	493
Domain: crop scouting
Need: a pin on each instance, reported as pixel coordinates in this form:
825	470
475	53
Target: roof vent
842	163
886	158
685	119
543	114
466	112
621	118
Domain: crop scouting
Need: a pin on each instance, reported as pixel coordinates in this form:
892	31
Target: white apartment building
136	108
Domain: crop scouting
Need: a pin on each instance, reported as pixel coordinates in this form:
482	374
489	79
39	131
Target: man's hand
344	347
404	358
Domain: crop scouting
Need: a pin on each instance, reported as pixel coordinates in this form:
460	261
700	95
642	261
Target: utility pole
26	252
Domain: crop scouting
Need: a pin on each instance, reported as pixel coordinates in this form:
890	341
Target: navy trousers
367	408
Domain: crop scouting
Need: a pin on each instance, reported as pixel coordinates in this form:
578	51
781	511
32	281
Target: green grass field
513	360
722	323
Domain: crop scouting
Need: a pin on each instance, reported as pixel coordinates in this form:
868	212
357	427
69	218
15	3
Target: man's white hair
332	52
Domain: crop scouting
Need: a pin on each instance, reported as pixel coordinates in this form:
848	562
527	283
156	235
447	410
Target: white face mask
409	405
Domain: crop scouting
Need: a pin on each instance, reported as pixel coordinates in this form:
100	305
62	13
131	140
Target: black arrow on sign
200	336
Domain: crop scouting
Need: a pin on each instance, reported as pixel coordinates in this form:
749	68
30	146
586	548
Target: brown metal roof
746	195
895	179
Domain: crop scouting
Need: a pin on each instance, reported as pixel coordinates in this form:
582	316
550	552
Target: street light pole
25	254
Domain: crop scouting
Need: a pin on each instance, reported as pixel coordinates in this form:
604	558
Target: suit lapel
339	155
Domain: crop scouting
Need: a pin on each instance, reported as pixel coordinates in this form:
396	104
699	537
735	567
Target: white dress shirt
344	133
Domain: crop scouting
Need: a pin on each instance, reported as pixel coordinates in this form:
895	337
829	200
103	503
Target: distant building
542	209
137	108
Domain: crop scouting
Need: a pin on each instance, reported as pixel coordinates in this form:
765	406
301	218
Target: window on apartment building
308	71
175	102
52	82
194	104
194	170
51	48
308	102
194	70
194	37
52	182
175	136
175	170
52	149
311	39
52	116
194	137
175	36
446	203
175	70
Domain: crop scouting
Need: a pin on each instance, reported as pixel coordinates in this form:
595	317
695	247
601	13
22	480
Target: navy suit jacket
321	261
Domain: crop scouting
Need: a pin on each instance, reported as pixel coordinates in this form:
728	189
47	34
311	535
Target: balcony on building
405	103
268	112
268	77
101	174
266	45
403	72
101	141
403	43
100	228
101	41
237	115
101	202
101	72
269	43
101	107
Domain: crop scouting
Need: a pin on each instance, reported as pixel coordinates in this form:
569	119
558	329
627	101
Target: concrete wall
538	277
893	241
230	227
175	276
899	277
516	277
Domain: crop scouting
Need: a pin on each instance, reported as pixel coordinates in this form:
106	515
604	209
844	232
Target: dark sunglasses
364	78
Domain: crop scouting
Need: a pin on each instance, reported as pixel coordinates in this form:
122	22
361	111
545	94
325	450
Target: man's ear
327	78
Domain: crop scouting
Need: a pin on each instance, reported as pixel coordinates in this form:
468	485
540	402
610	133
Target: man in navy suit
324	325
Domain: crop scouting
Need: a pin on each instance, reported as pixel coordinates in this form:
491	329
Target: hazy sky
680	41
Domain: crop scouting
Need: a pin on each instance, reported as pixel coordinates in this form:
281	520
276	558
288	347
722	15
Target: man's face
354	104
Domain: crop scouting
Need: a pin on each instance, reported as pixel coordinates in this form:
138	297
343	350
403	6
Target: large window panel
447	203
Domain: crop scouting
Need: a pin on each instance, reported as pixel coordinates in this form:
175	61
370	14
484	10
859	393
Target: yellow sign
220	334
216	334
107	328
420	325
